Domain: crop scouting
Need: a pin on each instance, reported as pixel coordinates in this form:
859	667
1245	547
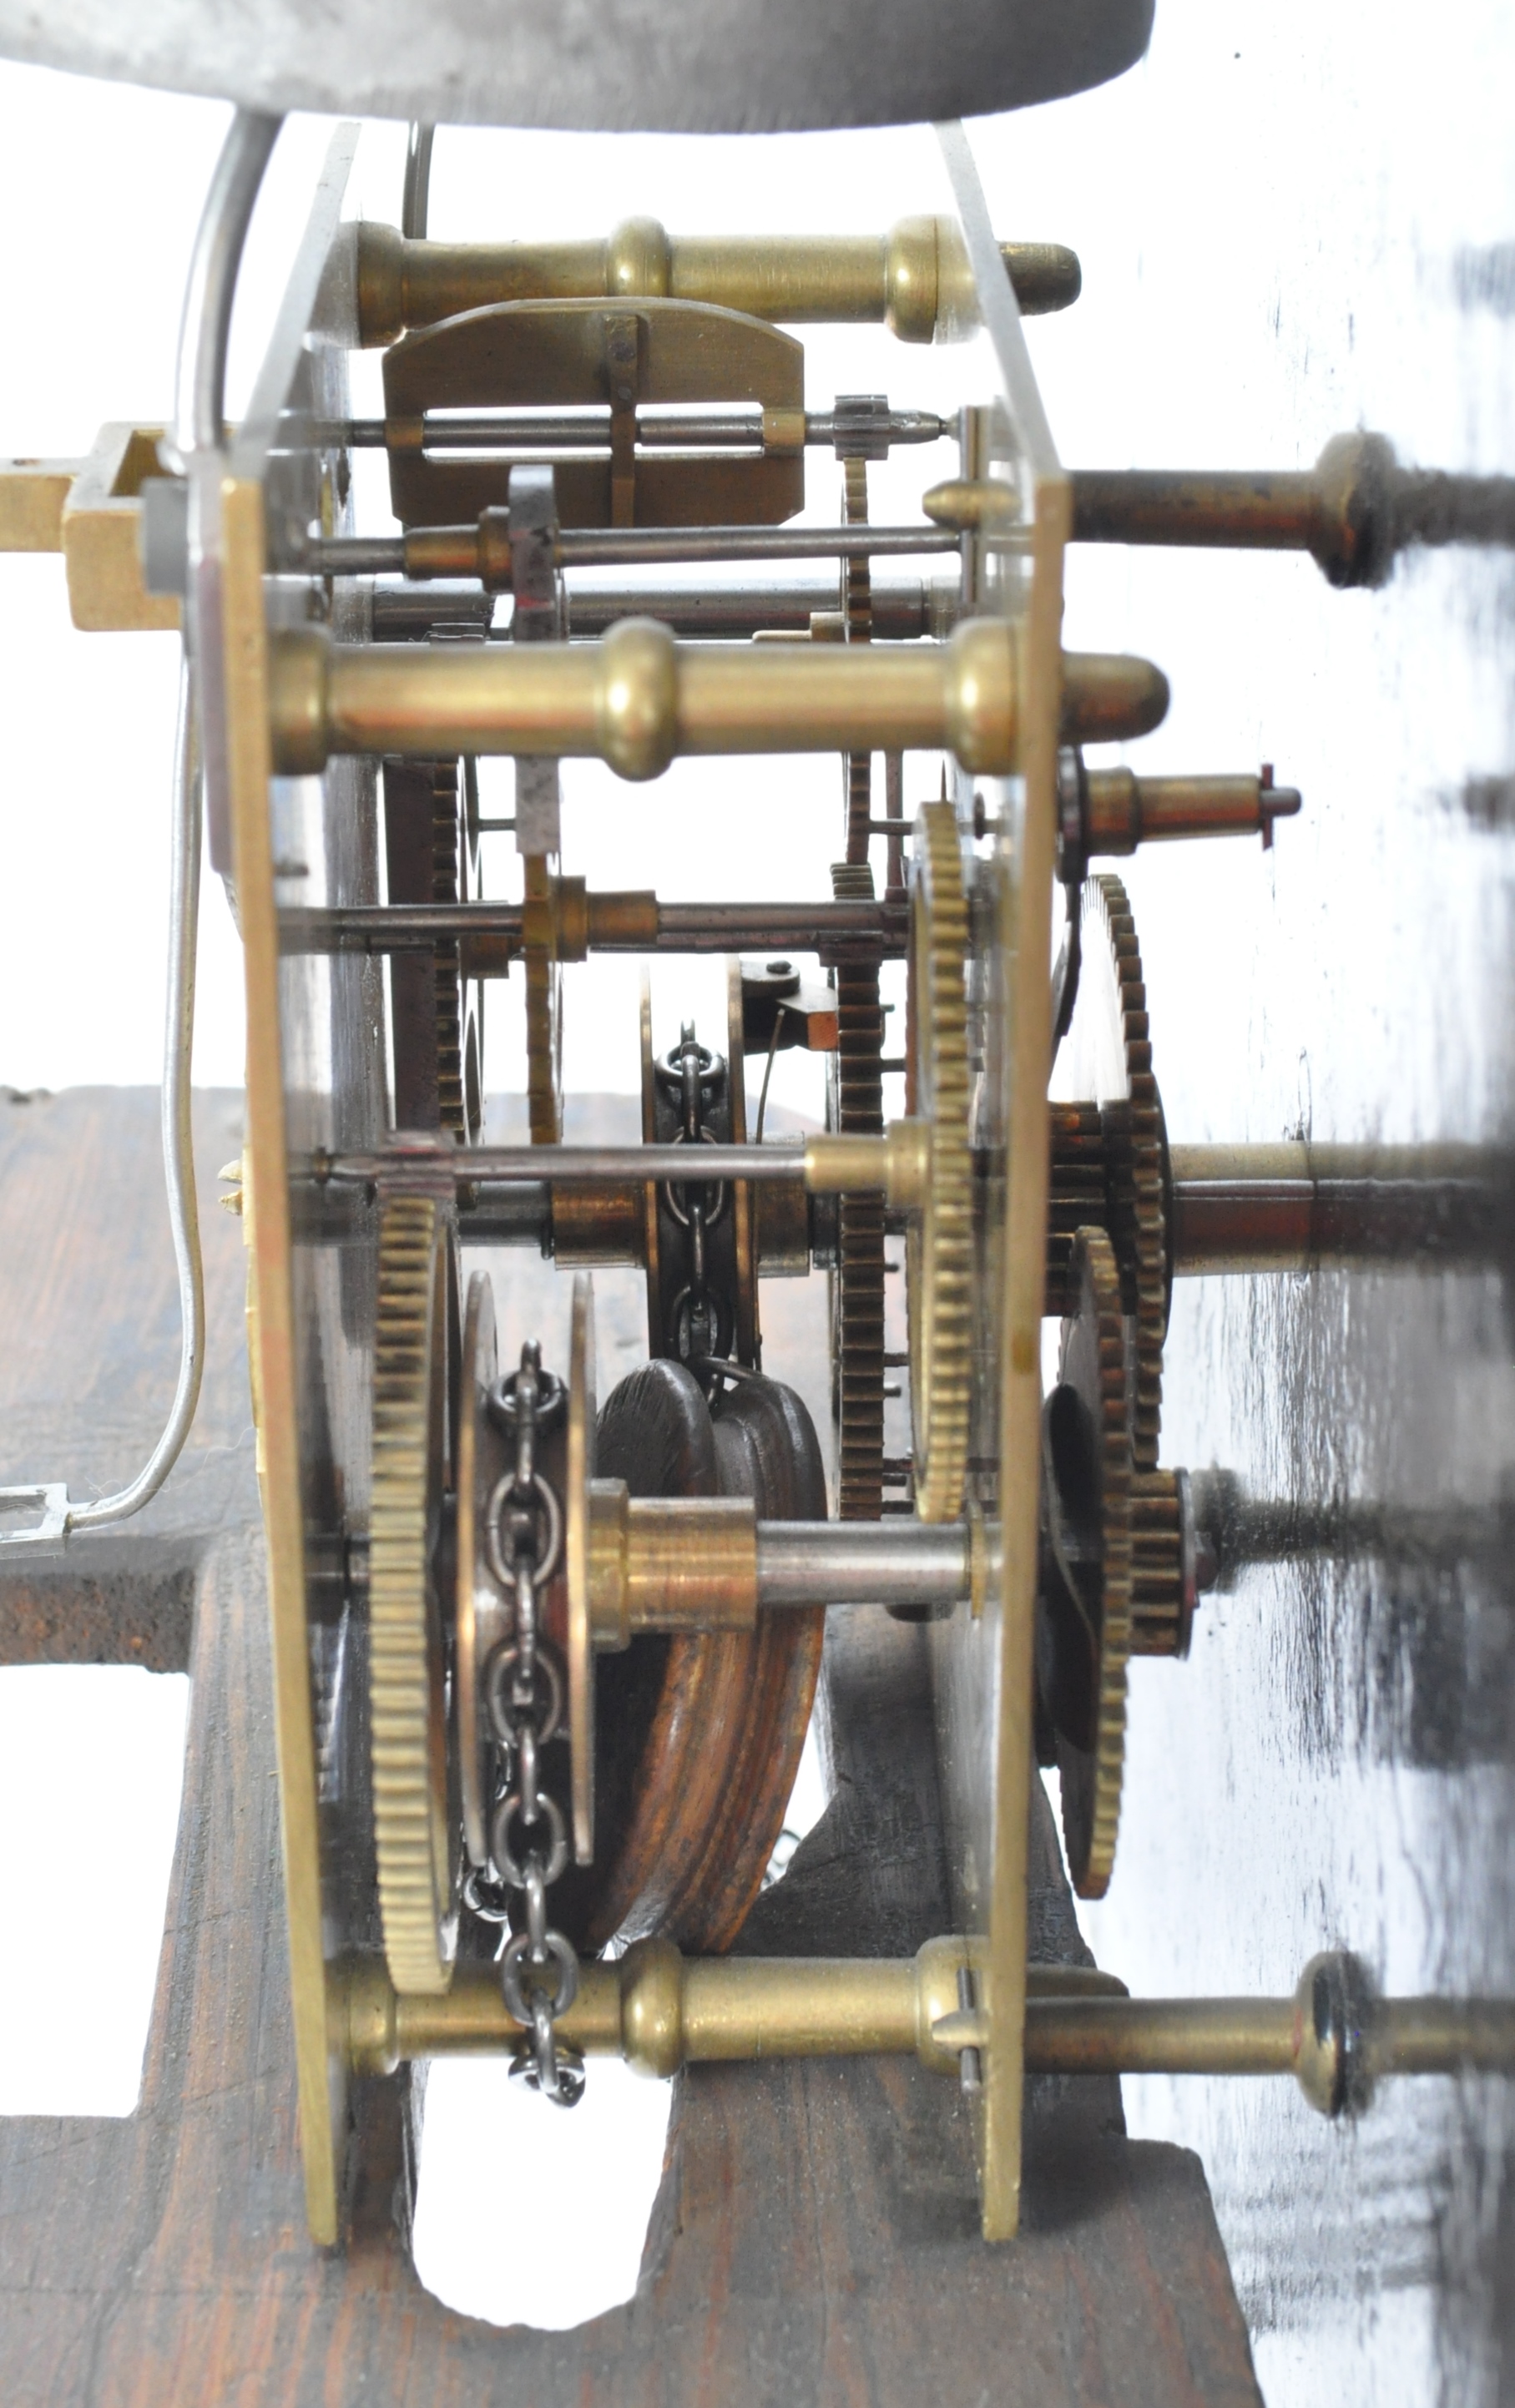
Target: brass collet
639	698
669	1563
898	1165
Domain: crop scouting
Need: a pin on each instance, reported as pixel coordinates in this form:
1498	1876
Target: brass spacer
1108	698
638	259
971	502
783	432
609	1618
381	295
637	698
691	1563
570	901
653	2007
623	916
981	698
910	272
361	2018
910	1155
938	1965
495	571
596	1223
300	664
1333	2014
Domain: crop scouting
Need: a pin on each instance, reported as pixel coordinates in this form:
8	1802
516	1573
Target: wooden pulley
698	1738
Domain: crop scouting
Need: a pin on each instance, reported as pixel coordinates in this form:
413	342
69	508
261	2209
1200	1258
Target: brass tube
1435	2035
1108	698
1288	1207
1355	511
1160	2035
895	279
1125	810
637	698
491	934
1239	509
691	1563
739	2007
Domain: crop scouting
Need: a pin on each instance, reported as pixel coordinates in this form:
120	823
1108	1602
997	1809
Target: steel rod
205	336
777	1158
349	555
904	608
614	548
863	1563
681	928
782	927
588	429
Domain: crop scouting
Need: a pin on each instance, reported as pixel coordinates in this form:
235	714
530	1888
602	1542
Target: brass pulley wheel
415	1823
939	1253
1087	1564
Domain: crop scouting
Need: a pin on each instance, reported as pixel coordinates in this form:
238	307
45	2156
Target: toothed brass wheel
1087	1568
941	1243
414	1825
1109	1146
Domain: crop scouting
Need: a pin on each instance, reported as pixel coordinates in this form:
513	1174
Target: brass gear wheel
1094	1364
941	1244
858	1289
1164	1585
414	1824
1108	1147
447	887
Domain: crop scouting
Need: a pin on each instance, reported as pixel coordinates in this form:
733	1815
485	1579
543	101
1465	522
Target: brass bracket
90	511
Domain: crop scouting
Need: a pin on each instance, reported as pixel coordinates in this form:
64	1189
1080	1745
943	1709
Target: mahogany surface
815	2237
